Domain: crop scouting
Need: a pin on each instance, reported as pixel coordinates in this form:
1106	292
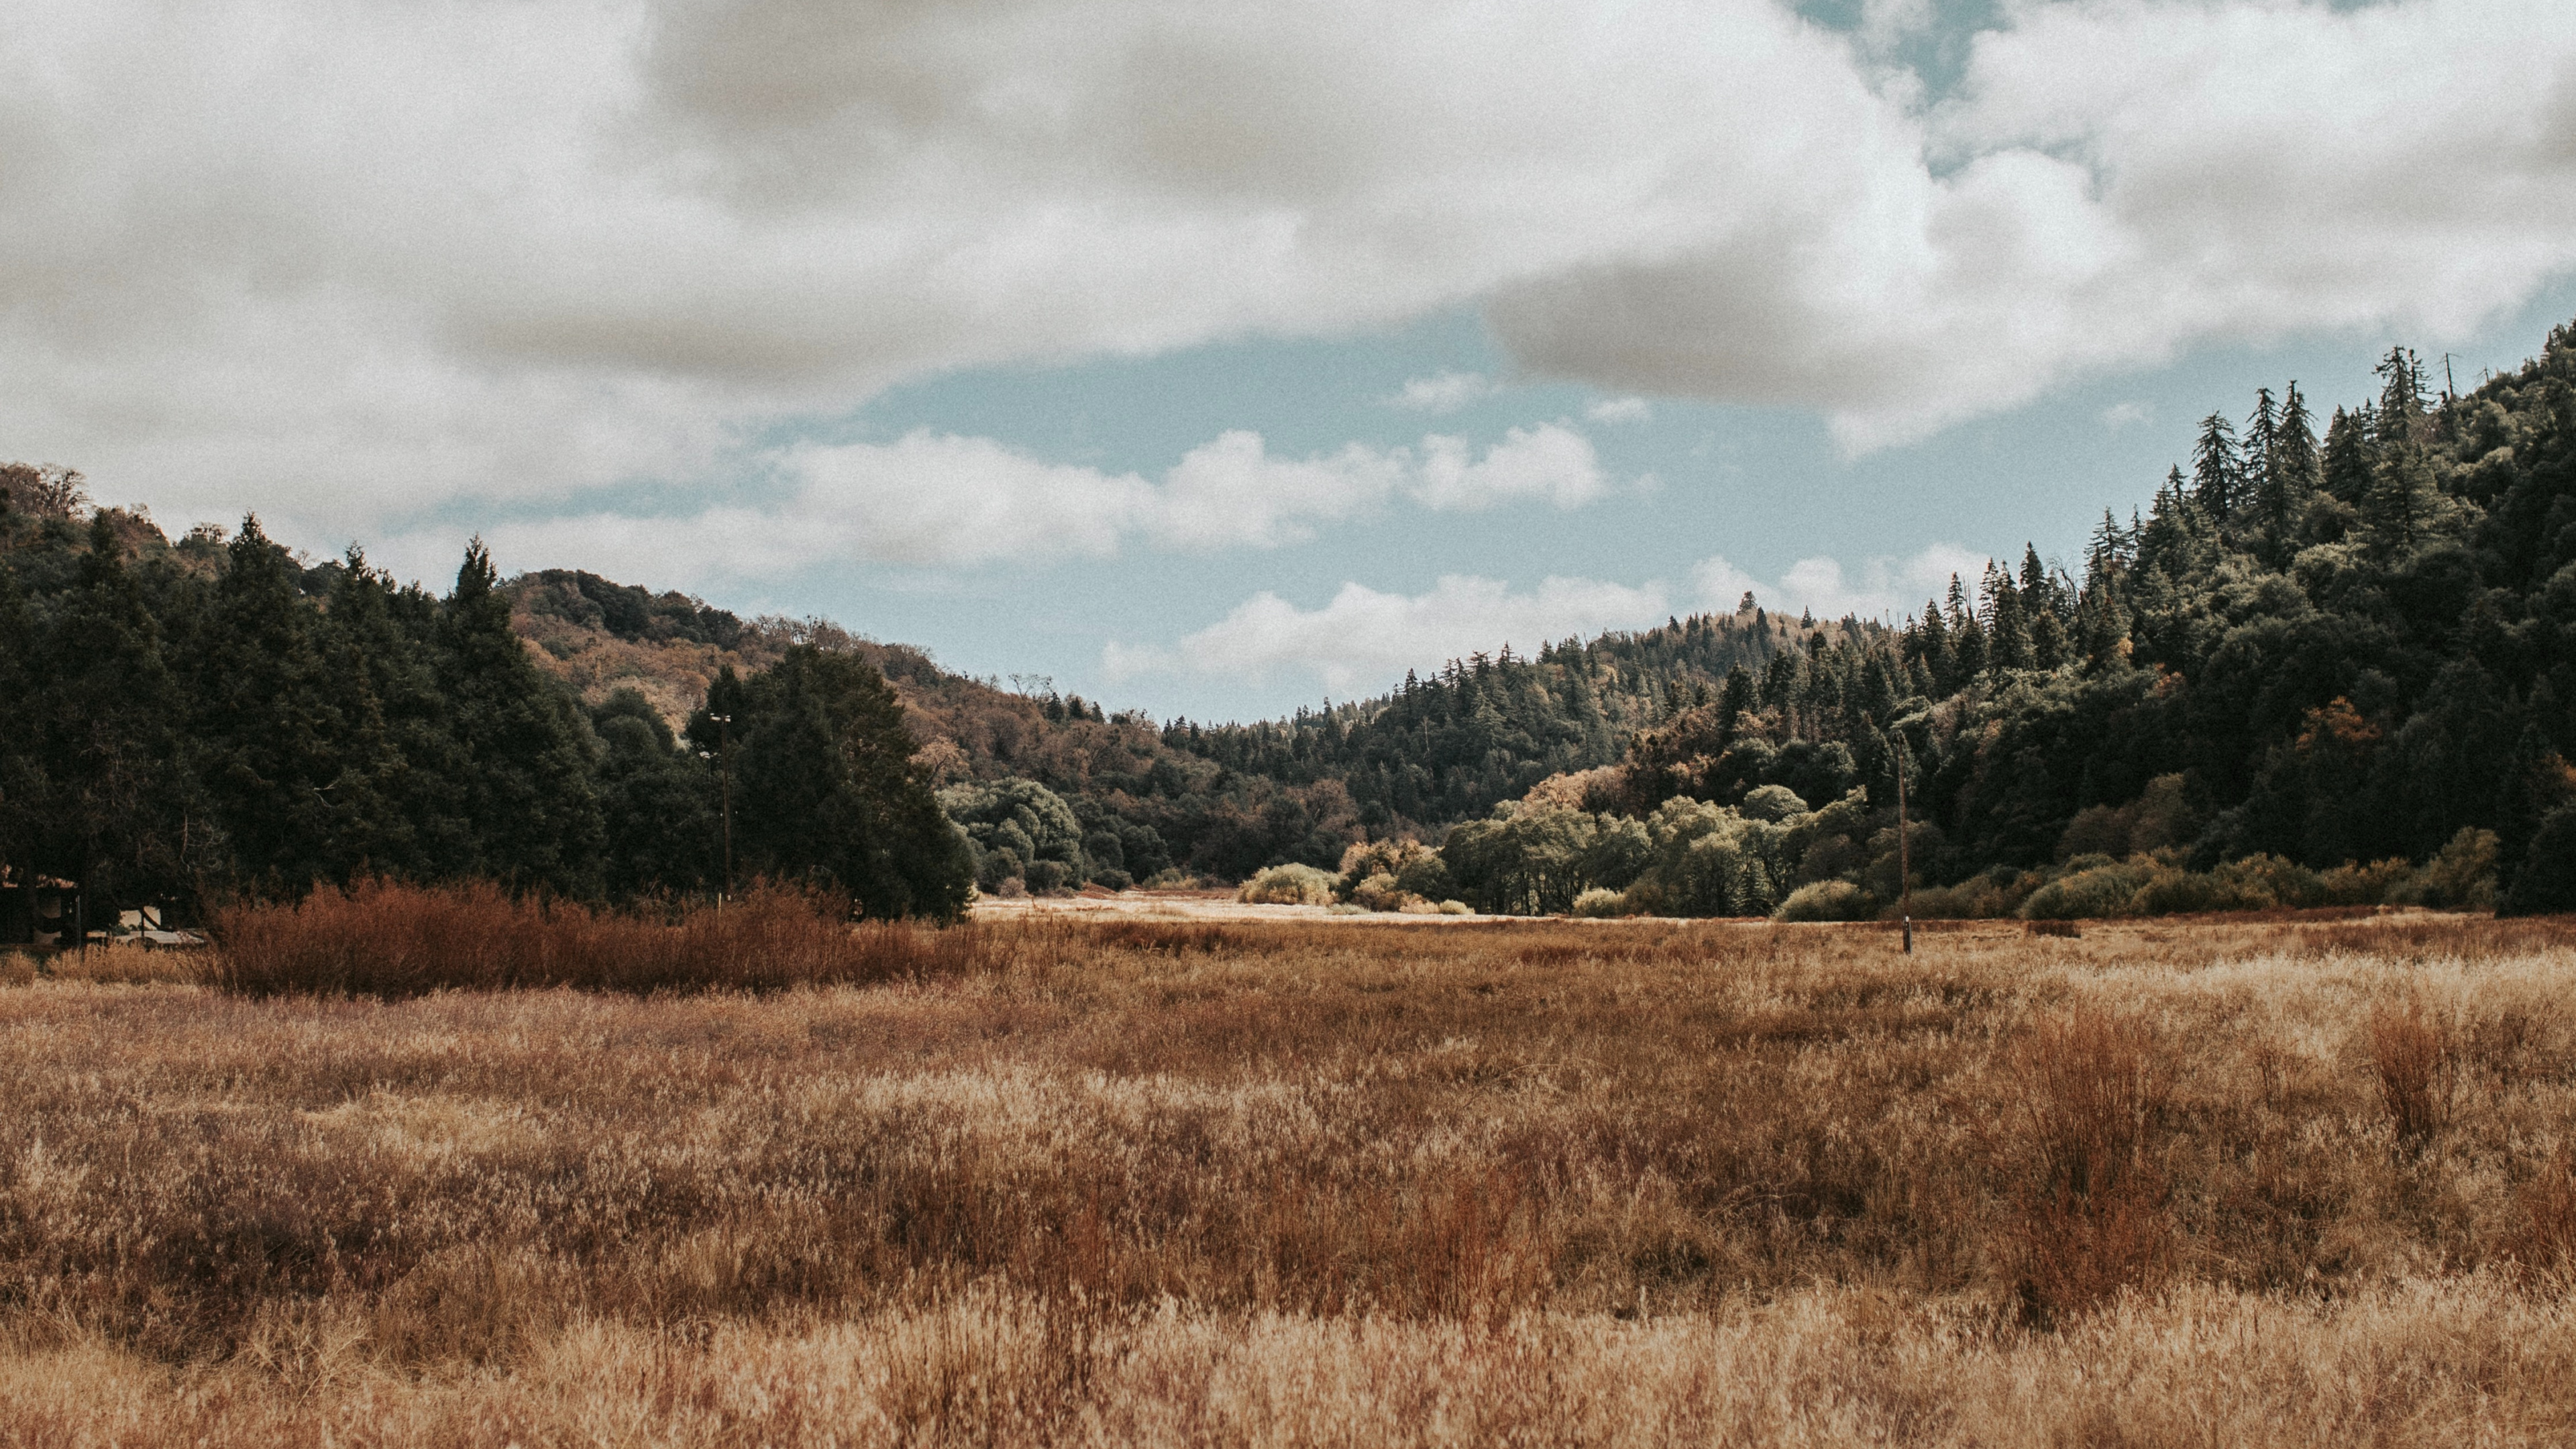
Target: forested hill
1220	799
1483	730
2319	645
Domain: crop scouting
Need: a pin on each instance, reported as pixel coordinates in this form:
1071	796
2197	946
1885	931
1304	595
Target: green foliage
1289	885
2094	887
1015	826
1599	903
1527	860
1827	900
2547	879
211	720
826	791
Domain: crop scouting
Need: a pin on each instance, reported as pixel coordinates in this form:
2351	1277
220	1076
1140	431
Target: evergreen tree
825	789
2287	478
2217	469
101	722
2350	457
270	738
2007	630
526	750
658	803
2262	457
2294	447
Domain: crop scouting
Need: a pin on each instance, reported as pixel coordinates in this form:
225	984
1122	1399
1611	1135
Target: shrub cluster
1772	855
382	938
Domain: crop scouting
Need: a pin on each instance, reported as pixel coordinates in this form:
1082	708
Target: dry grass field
2281	1182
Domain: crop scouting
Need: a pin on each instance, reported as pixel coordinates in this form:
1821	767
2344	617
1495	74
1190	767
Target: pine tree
101	727
2038	594
267	726
2288	477
2401	398
2217	469
2401	498
2350	456
2262	457
826	791
2109	547
527	750
2294	446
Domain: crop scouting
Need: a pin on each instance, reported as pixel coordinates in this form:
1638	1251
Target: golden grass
1270	1183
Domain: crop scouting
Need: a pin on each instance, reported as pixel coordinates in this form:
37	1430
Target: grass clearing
2297	1180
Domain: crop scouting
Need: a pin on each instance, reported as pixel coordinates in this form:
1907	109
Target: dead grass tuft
2413	1060
2092	1089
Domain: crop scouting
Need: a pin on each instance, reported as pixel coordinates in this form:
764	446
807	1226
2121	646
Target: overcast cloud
348	261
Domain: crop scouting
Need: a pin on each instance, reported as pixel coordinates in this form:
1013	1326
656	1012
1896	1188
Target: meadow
2308	1179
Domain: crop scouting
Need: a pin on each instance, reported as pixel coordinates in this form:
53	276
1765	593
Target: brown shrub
2545	1243
383	938
2412	1058
1168	937
2089	1089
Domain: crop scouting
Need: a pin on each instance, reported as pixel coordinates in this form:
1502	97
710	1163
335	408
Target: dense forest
2329	662
212	719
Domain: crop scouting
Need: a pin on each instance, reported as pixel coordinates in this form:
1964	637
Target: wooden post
1904	853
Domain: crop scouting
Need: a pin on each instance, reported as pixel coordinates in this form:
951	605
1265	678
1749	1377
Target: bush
2102	890
1990	894
2546	878
2355	884
2261	881
1046	877
1425	876
1456	908
1827	900
1772	803
2461	876
381	939
1000	864
2175	893
1114	879
1389	858
1600	903
1289	885
1381	893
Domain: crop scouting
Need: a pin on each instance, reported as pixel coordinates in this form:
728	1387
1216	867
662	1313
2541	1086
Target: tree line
213	719
2318	650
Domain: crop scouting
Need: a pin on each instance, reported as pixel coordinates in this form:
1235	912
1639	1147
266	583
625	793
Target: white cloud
1620	410
347	261
1363	640
1442	392
1886	588
2124	414
938	500
1543	462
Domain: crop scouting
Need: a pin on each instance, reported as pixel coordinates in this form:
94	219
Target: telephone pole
724	774
1904	852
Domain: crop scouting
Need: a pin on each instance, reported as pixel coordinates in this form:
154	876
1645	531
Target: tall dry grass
385	938
1290	1183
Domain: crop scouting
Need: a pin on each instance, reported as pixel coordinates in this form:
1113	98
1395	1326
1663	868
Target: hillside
2320	651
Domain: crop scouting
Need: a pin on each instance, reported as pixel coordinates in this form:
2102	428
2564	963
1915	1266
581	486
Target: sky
1214	359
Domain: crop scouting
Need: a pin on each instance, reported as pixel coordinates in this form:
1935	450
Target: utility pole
1904	852
724	774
